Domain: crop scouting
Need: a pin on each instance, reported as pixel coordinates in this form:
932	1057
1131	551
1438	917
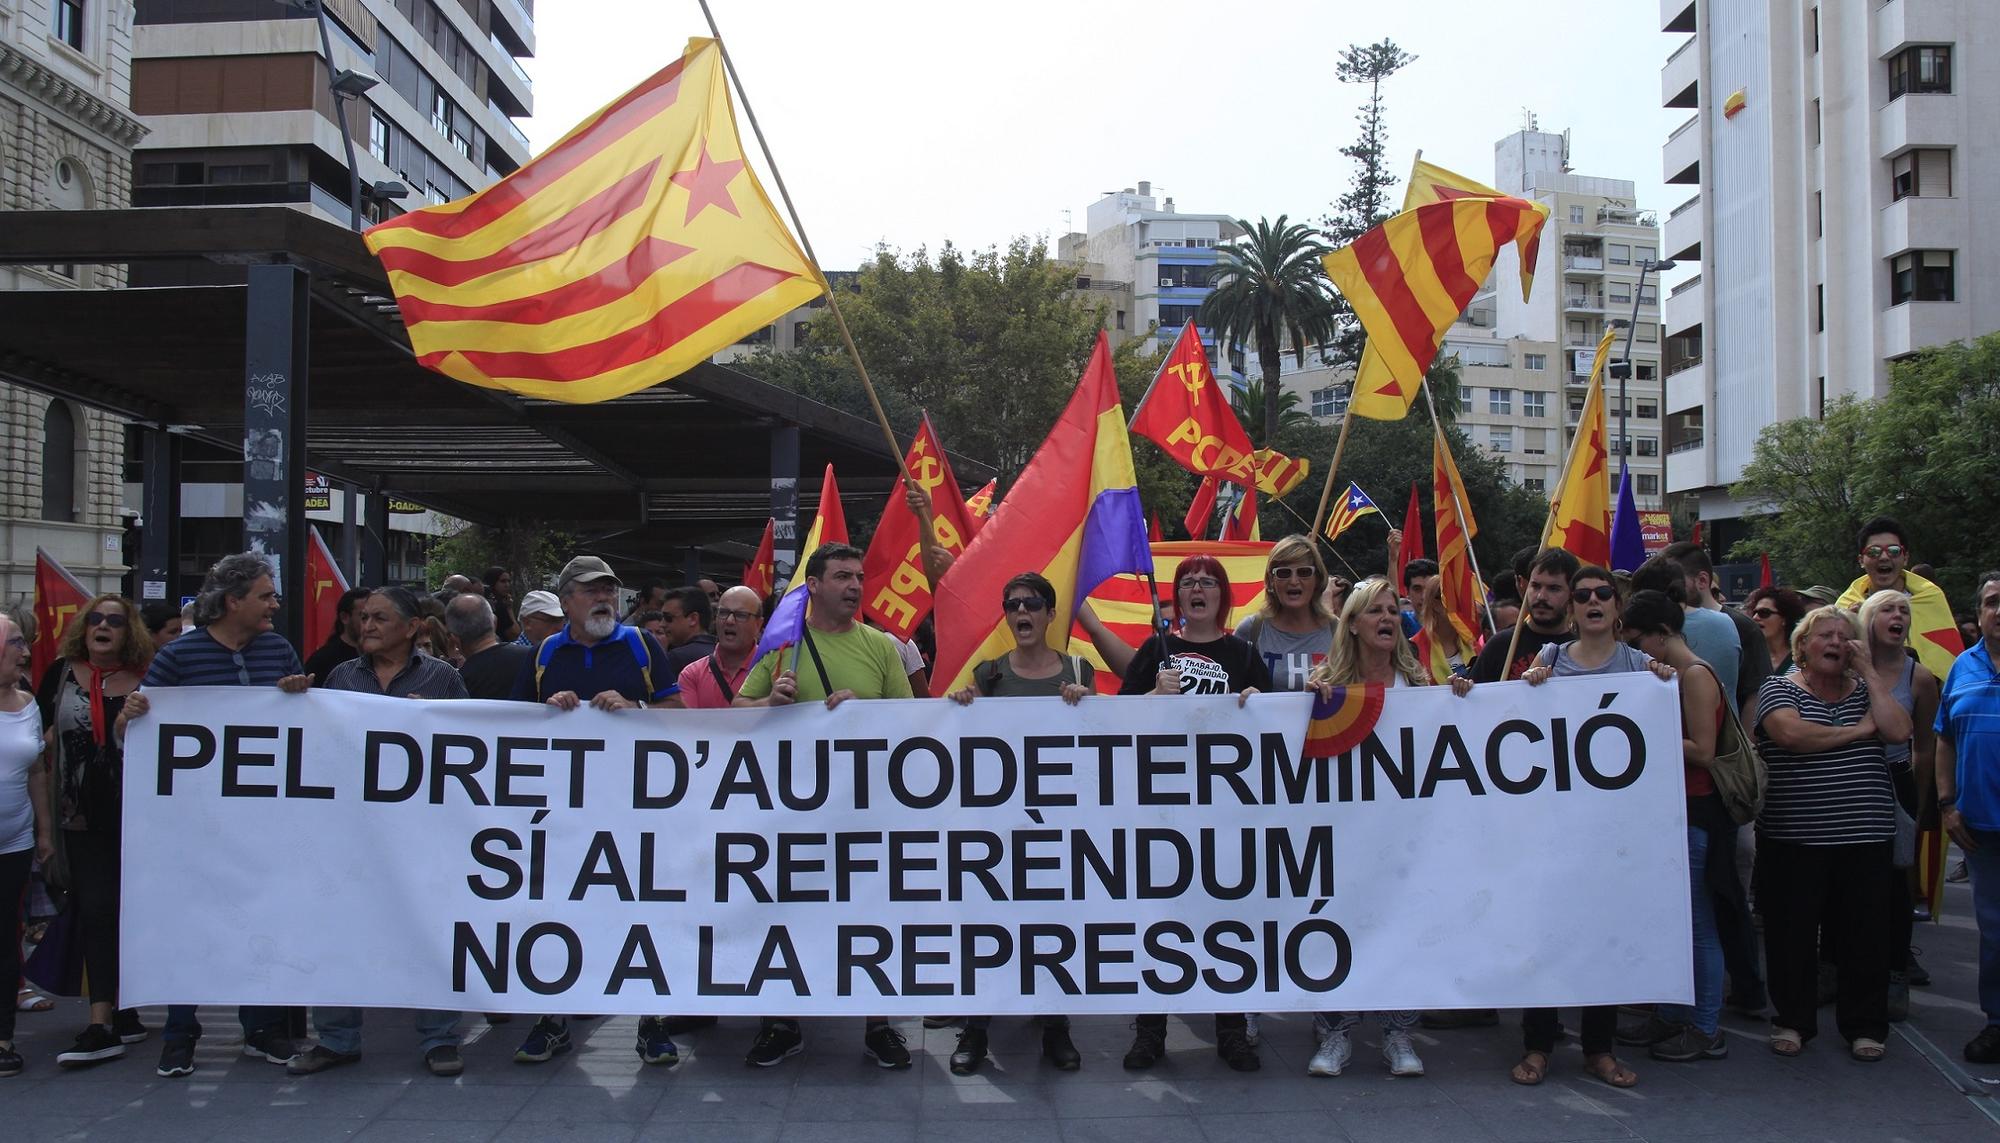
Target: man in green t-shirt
840	659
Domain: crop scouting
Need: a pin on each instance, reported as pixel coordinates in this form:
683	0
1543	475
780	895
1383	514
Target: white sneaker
1250	1028
1334	1052
1400	1054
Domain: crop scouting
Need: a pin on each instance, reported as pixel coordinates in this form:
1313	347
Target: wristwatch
1948	802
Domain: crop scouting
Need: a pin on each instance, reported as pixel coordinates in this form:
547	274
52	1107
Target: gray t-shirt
1290	656
996	677
20	748
1624	657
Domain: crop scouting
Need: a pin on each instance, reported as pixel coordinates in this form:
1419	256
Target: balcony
1918	120
1687	386
1583	303
1677	15
1910	326
1920	223
1680	79
1680	159
1897	26
1583	264
1685	305
1687	466
1684	227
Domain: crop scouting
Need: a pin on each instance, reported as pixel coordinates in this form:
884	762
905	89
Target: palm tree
1269	289
1250	404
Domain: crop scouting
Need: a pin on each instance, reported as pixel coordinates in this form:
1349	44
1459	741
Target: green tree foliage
1248	403
1923	453
534	550
1367	201
1270	292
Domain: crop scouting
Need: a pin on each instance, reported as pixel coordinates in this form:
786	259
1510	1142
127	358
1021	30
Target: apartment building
1151	263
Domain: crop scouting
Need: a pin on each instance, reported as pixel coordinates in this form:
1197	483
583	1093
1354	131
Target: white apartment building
1837	217
1133	240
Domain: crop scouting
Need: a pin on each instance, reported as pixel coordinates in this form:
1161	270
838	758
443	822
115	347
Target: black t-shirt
491	673
331	654
1224	666
693	651
1487	668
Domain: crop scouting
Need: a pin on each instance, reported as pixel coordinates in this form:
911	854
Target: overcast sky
915	122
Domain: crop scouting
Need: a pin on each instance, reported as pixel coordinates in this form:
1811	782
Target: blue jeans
340	1029
1324	1022
1984	865
1706	1014
256	1019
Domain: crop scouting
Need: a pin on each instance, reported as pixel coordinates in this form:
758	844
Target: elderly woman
104	656
1595	606
1776	611
390	663
1369	647
1825	833
1885	625
25	832
1294	631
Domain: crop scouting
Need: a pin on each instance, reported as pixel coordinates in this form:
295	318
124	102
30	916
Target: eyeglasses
112	619
1201	583
242	667
1307	572
1603	592
732	613
1878	551
1032	604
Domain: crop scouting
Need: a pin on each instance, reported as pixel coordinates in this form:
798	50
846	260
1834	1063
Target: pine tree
1366	202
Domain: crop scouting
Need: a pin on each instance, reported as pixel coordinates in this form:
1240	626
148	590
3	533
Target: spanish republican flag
1073	515
1459	588
898	595
58	599
324	587
761	573
630	251
1409	279
1580	514
1187	414
1124	603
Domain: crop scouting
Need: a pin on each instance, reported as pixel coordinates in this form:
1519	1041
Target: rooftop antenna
1529	121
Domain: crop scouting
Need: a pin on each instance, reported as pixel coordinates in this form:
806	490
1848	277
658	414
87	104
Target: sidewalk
831	1094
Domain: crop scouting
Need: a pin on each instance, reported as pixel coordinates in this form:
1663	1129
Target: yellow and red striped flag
1409	279
1580	514
624	255
1458	586
1278	474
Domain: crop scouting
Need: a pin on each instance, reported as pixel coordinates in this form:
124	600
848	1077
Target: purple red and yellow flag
622	256
1124	603
1342	722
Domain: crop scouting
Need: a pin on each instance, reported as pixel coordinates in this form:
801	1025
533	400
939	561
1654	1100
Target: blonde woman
1294	631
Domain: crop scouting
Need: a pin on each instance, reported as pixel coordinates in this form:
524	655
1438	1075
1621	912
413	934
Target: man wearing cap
595	659
541	616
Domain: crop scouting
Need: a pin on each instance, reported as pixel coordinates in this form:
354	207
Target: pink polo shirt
698	686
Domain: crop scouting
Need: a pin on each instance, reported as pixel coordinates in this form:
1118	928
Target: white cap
540	603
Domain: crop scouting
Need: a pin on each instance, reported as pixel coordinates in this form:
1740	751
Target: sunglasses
1603	593
1763	613
1878	551
1032	604
112	620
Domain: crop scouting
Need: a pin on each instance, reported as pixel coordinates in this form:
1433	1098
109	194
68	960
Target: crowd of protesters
1863	746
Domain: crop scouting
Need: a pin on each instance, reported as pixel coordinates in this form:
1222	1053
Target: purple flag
1628	547
788	622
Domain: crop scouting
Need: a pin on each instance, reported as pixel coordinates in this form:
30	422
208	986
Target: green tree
1804	469
1248	402
1269	290
1366	202
534	550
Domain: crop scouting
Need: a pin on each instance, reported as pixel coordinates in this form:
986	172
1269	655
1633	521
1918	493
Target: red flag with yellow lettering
58	598
898	595
324	587
979	505
761	573
1188	415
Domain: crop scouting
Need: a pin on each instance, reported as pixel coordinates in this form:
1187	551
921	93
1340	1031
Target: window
1121	319
1921	276
1815	29
1648	484
1920	71
68	28
1465	398
1174	317
441	112
1647	331
801	332
1536	485
1815	123
1621	294
1819	214
1536	442
1650	296
1490	355
1819	305
1649	446
437	196
1500	401
1925	173
1645	371
1330	401
1534	404
1576	216
1535	361
378	137
1621	255
59	463
1500	440
1647	410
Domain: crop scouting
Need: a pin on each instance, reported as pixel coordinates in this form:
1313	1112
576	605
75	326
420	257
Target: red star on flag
708	183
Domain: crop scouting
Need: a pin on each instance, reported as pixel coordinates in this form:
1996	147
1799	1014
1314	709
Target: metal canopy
644	477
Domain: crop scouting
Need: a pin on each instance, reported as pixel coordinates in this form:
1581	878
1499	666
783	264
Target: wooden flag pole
1555	506
1437	427
832	302
1326	492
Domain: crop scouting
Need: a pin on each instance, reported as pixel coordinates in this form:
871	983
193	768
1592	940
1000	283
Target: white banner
1515	847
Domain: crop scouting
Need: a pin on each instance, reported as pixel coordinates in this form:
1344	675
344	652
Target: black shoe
125	1025
319	1059
1059	1050
1461	1018
11	1063
1985	1047
270	1045
971	1050
1649	1030
176	1059
444	1060
1687	1045
775	1042
1235	1050
1920	977
884	1045
681	1025
1148	1045
94	1045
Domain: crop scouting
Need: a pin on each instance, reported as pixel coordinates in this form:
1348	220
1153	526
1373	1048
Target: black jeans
1224	1022
1733	925
1045	1021
14	869
1600	1025
93	887
1851	885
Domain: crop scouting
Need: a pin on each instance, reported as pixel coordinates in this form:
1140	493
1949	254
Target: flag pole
1326	492
1542	545
1280	502
832	302
1437	427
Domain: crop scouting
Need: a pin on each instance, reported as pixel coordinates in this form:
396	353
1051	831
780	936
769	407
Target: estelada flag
324	587
58	599
979	505
624	255
896	593
1459	588
1188	415
1341	721
1580	512
761	573
1933	632
1409	279
1124	603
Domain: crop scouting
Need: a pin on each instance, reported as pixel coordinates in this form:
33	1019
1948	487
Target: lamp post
346	85
1623	369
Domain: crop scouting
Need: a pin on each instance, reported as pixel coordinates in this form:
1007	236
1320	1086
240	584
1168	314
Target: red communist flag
1188	415
898	594
58	599
1202	509
979	505
1413	538
324	587
761	573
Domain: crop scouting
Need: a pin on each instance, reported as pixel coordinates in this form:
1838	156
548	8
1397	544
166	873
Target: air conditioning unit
1167	282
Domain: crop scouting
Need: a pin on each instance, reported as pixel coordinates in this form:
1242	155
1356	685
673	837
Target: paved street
830	1094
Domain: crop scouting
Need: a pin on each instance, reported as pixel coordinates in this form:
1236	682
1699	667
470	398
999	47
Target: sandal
1866	1050
1606	1067
28	1000
1786	1042
1534	1066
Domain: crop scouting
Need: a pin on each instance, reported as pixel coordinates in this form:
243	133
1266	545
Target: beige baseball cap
585	569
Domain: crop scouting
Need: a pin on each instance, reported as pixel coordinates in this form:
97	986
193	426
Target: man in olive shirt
840	659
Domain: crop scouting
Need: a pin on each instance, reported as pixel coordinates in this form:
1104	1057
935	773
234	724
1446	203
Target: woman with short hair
1776	611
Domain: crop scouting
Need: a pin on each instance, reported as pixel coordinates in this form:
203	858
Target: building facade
1833	152
1152	264
66	138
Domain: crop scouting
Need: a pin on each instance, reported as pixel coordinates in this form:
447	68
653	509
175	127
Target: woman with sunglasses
24	815
105	653
1294	631
1776	611
1031	668
1594	600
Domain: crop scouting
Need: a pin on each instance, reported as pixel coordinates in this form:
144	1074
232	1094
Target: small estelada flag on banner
622	256
897	594
58	599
